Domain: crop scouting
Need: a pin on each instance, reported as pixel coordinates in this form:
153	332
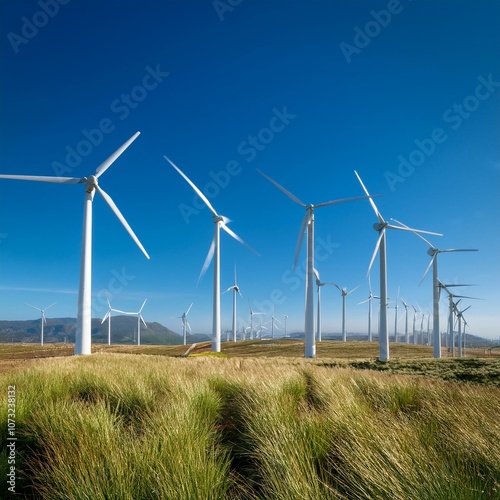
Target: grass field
255	422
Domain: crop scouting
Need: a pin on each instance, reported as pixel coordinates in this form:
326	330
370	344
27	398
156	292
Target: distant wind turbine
273	322
396	318
185	324
286	317
108	317
407	335
43	320
213	253
308	223
83	342
344	293
369	300
381	227
319	284
451	312
252	313
139	319
433	252
236	289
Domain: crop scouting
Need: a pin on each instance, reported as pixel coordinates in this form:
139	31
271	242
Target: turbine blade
316	274
33	307
411	230
416	233
459	250
53	304
189	308
188	326
377	245
208	260
428	268
340	289
353	290
44	178
344	200
120	311
372	203
111	159
143	304
191	183
142	319
282	189
303	226
125	224
105	317
237	238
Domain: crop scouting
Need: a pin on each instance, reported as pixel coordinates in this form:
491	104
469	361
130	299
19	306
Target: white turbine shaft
309	343
216	290
234	314
285	324
318	320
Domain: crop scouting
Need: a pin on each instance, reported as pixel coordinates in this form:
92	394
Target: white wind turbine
381	227
433	252
396	318
236	289
308	222
213	253
252	313
139	319
286	317
344	293
83	340
43	320
319	284
407	335
108	317
259	333
273	322
185	324
369	300
451	311
414	320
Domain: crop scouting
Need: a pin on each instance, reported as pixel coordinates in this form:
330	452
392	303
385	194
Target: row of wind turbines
91	184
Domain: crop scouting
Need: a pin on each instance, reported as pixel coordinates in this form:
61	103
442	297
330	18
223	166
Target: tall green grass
117	426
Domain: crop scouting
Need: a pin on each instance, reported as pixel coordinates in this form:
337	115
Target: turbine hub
91	183
378	226
218	218
432	251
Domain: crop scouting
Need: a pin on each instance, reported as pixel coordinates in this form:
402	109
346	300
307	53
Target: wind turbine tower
220	222
83	342
308	223
381	227
43	320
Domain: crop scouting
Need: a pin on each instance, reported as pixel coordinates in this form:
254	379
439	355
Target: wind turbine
344	293
139	319
213	253
407	336
185	324
396	318
108	317
274	320
252	313
286	317
43	320
319	284
414	320
381	227
308	222
259	333
83	342
235	288
369	300
452	306
433	253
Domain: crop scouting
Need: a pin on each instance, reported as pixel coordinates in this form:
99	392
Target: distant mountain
123	331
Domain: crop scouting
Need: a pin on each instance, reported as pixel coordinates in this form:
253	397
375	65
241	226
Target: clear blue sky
203	82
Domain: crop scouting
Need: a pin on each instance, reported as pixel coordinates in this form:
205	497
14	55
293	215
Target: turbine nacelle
91	182
378	226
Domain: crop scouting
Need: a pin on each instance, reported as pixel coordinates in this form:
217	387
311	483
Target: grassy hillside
136	426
